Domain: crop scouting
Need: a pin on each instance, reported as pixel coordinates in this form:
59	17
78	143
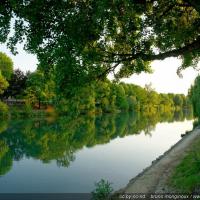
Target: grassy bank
186	176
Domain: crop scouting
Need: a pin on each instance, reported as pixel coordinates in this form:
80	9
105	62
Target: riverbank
154	178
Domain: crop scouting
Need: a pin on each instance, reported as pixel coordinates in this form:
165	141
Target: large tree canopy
87	39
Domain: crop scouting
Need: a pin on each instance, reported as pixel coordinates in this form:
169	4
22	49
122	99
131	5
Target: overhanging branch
173	53
161	56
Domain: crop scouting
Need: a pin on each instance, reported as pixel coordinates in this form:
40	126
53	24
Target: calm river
71	154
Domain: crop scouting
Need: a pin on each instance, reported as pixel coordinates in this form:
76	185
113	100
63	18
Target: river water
71	154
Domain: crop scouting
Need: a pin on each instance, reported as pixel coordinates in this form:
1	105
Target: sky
164	79
23	60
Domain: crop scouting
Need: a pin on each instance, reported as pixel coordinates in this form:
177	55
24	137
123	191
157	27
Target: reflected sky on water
71	154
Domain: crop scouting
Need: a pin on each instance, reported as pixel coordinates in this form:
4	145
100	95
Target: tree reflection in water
58	140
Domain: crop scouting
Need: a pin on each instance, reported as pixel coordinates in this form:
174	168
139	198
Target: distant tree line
108	96
39	88
103	96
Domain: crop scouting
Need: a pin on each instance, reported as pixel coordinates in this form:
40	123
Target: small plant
103	190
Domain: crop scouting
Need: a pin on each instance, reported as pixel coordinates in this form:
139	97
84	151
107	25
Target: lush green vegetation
109	97
186	177
194	95
6	66
86	40
78	43
6	70
39	91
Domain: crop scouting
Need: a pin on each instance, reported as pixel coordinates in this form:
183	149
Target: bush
3	109
103	190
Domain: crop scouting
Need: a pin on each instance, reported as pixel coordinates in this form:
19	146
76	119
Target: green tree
121	99
166	103
17	84
194	95
105	96
6	66
6	70
178	100
39	87
85	40
82	101
3	107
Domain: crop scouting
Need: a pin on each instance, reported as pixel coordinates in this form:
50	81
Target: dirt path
153	179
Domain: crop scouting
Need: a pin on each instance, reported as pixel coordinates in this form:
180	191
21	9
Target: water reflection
58	140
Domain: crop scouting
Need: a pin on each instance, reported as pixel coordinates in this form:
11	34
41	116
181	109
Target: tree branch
112	68
173	53
161	56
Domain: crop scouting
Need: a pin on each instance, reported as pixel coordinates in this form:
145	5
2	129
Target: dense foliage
85	40
39	89
110	97
6	70
17	85
6	66
194	95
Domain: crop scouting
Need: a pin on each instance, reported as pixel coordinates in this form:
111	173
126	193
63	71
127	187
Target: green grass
186	176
